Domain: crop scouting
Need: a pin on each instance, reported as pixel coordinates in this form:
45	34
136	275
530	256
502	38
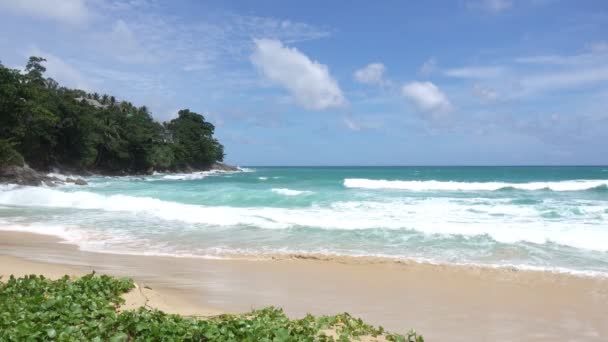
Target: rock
77	181
80	181
224	167
25	176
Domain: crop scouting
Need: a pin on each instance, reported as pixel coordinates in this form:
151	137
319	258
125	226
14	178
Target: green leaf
119	337
51	333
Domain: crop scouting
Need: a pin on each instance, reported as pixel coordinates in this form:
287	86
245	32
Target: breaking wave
580	226
433	185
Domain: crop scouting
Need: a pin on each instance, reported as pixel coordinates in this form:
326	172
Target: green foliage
50	124
194	138
34	308
8	155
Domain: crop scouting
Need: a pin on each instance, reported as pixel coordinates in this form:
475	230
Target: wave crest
583	228
290	192
433	185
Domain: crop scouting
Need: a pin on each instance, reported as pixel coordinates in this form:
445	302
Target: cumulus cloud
493	6
308	81
427	98
371	74
67	11
475	72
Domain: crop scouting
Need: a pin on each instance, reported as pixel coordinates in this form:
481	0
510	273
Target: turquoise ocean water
550	218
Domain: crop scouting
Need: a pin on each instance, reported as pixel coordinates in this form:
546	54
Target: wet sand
442	302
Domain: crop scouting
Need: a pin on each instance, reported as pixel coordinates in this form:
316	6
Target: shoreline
60	175
331	258
439	301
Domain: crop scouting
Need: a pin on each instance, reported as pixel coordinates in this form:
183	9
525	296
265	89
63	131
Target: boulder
80	181
24	175
77	181
224	167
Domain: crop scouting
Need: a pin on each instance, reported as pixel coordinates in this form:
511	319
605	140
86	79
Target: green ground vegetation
34	308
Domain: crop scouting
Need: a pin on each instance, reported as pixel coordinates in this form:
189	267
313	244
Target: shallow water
553	218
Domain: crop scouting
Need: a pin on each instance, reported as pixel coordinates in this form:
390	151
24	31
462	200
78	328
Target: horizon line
438	165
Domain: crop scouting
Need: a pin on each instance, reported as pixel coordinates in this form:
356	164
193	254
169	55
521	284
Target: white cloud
596	58
426	97
428	67
361	124
308	81
122	43
494	6
564	79
62	72
484	93
67	11
371	74
598	47
351	124
475	72
124	5
208	44
248	27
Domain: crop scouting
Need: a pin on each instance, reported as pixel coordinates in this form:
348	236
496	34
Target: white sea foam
6	187
433	185
93	241
187	176
191	176
290	192
263	178
580	225
60	176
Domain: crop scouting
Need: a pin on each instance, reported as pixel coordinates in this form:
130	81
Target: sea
534	218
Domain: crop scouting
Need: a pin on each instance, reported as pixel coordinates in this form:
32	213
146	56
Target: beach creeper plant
34	308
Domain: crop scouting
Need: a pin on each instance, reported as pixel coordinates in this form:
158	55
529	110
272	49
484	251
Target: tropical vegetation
34	308
45	125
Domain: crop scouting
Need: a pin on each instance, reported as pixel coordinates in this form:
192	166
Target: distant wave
433	185
190	176
290	192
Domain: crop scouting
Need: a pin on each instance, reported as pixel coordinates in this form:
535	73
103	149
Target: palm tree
109	137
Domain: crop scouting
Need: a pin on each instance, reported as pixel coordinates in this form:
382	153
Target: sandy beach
442	302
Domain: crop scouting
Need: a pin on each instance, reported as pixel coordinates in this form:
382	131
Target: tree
193	136
48	124
34	69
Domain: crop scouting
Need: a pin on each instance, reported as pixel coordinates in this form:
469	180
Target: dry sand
143	295
444	303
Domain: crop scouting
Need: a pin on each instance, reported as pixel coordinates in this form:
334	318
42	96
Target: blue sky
343	83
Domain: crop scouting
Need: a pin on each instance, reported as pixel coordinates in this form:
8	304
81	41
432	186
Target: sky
438	82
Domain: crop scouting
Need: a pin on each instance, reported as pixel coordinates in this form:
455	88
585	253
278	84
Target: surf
433	185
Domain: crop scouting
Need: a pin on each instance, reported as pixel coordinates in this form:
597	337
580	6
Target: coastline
440	301
70	240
